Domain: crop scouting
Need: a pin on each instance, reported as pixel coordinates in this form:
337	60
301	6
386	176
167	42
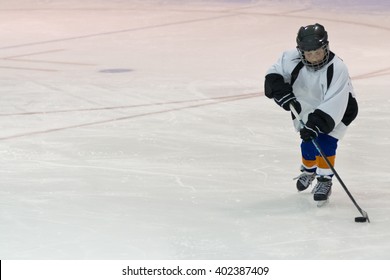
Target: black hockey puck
360	219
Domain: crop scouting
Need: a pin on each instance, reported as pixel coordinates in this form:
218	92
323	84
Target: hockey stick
364	217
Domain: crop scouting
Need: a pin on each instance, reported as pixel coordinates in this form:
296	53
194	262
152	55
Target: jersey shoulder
291	56
338	64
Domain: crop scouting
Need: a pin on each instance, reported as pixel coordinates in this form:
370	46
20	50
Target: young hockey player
316	82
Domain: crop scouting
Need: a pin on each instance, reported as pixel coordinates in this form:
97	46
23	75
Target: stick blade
361	219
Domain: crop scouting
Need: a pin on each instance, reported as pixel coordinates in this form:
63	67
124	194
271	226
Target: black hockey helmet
312	37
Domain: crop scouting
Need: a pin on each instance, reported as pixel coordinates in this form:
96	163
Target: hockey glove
318	121
281	92
285	101
309	132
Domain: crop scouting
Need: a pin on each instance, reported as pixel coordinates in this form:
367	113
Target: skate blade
322	203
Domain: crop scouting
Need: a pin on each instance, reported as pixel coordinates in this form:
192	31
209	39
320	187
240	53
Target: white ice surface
139	130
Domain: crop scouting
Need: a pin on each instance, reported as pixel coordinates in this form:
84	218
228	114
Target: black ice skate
323	188
305	180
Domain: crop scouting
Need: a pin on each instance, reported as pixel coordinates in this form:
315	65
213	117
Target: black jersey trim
295	72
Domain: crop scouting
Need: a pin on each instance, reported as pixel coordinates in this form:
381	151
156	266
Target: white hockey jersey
328	89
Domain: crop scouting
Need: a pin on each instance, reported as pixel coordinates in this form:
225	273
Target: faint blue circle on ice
116	70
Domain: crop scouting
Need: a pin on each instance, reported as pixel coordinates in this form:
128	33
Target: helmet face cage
318	65
313	37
